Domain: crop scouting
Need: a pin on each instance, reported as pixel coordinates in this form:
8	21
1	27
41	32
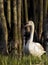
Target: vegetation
25	60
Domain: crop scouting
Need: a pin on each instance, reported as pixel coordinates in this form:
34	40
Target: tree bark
15	32
4	25
34	17
26	14
44	11
19	26
9	12
26	11
41	19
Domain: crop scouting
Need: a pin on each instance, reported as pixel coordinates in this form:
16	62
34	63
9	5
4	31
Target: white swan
31	47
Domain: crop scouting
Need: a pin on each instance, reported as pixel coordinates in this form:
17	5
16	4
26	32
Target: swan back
36	49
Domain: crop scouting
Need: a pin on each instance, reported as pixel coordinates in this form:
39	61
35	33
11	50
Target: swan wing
39	45
34	49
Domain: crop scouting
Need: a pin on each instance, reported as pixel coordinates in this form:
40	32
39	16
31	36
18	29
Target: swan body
31	47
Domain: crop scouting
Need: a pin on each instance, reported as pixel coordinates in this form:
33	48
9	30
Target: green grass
25	60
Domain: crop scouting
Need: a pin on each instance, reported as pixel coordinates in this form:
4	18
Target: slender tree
44	11
36	13
15	32
9	12
19	26
34	17
41	18
26	13
4	25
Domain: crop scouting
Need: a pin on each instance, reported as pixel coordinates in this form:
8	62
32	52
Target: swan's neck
32	33
31	36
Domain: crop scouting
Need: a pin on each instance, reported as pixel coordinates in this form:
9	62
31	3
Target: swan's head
29	26
30	23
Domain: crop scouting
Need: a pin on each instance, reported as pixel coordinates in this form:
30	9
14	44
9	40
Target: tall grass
25	60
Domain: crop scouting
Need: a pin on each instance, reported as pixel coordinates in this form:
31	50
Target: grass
25	60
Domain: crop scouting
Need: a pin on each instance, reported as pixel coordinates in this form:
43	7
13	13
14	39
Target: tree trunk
44	11
26	11
4	25
41	19
45	25
34	17
26	14
15	32
19	26
9	12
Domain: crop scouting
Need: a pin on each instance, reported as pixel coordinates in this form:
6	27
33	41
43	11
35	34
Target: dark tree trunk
4	25
9	12
15	32
41	19
19	26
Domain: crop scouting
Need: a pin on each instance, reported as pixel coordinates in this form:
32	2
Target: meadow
24	60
